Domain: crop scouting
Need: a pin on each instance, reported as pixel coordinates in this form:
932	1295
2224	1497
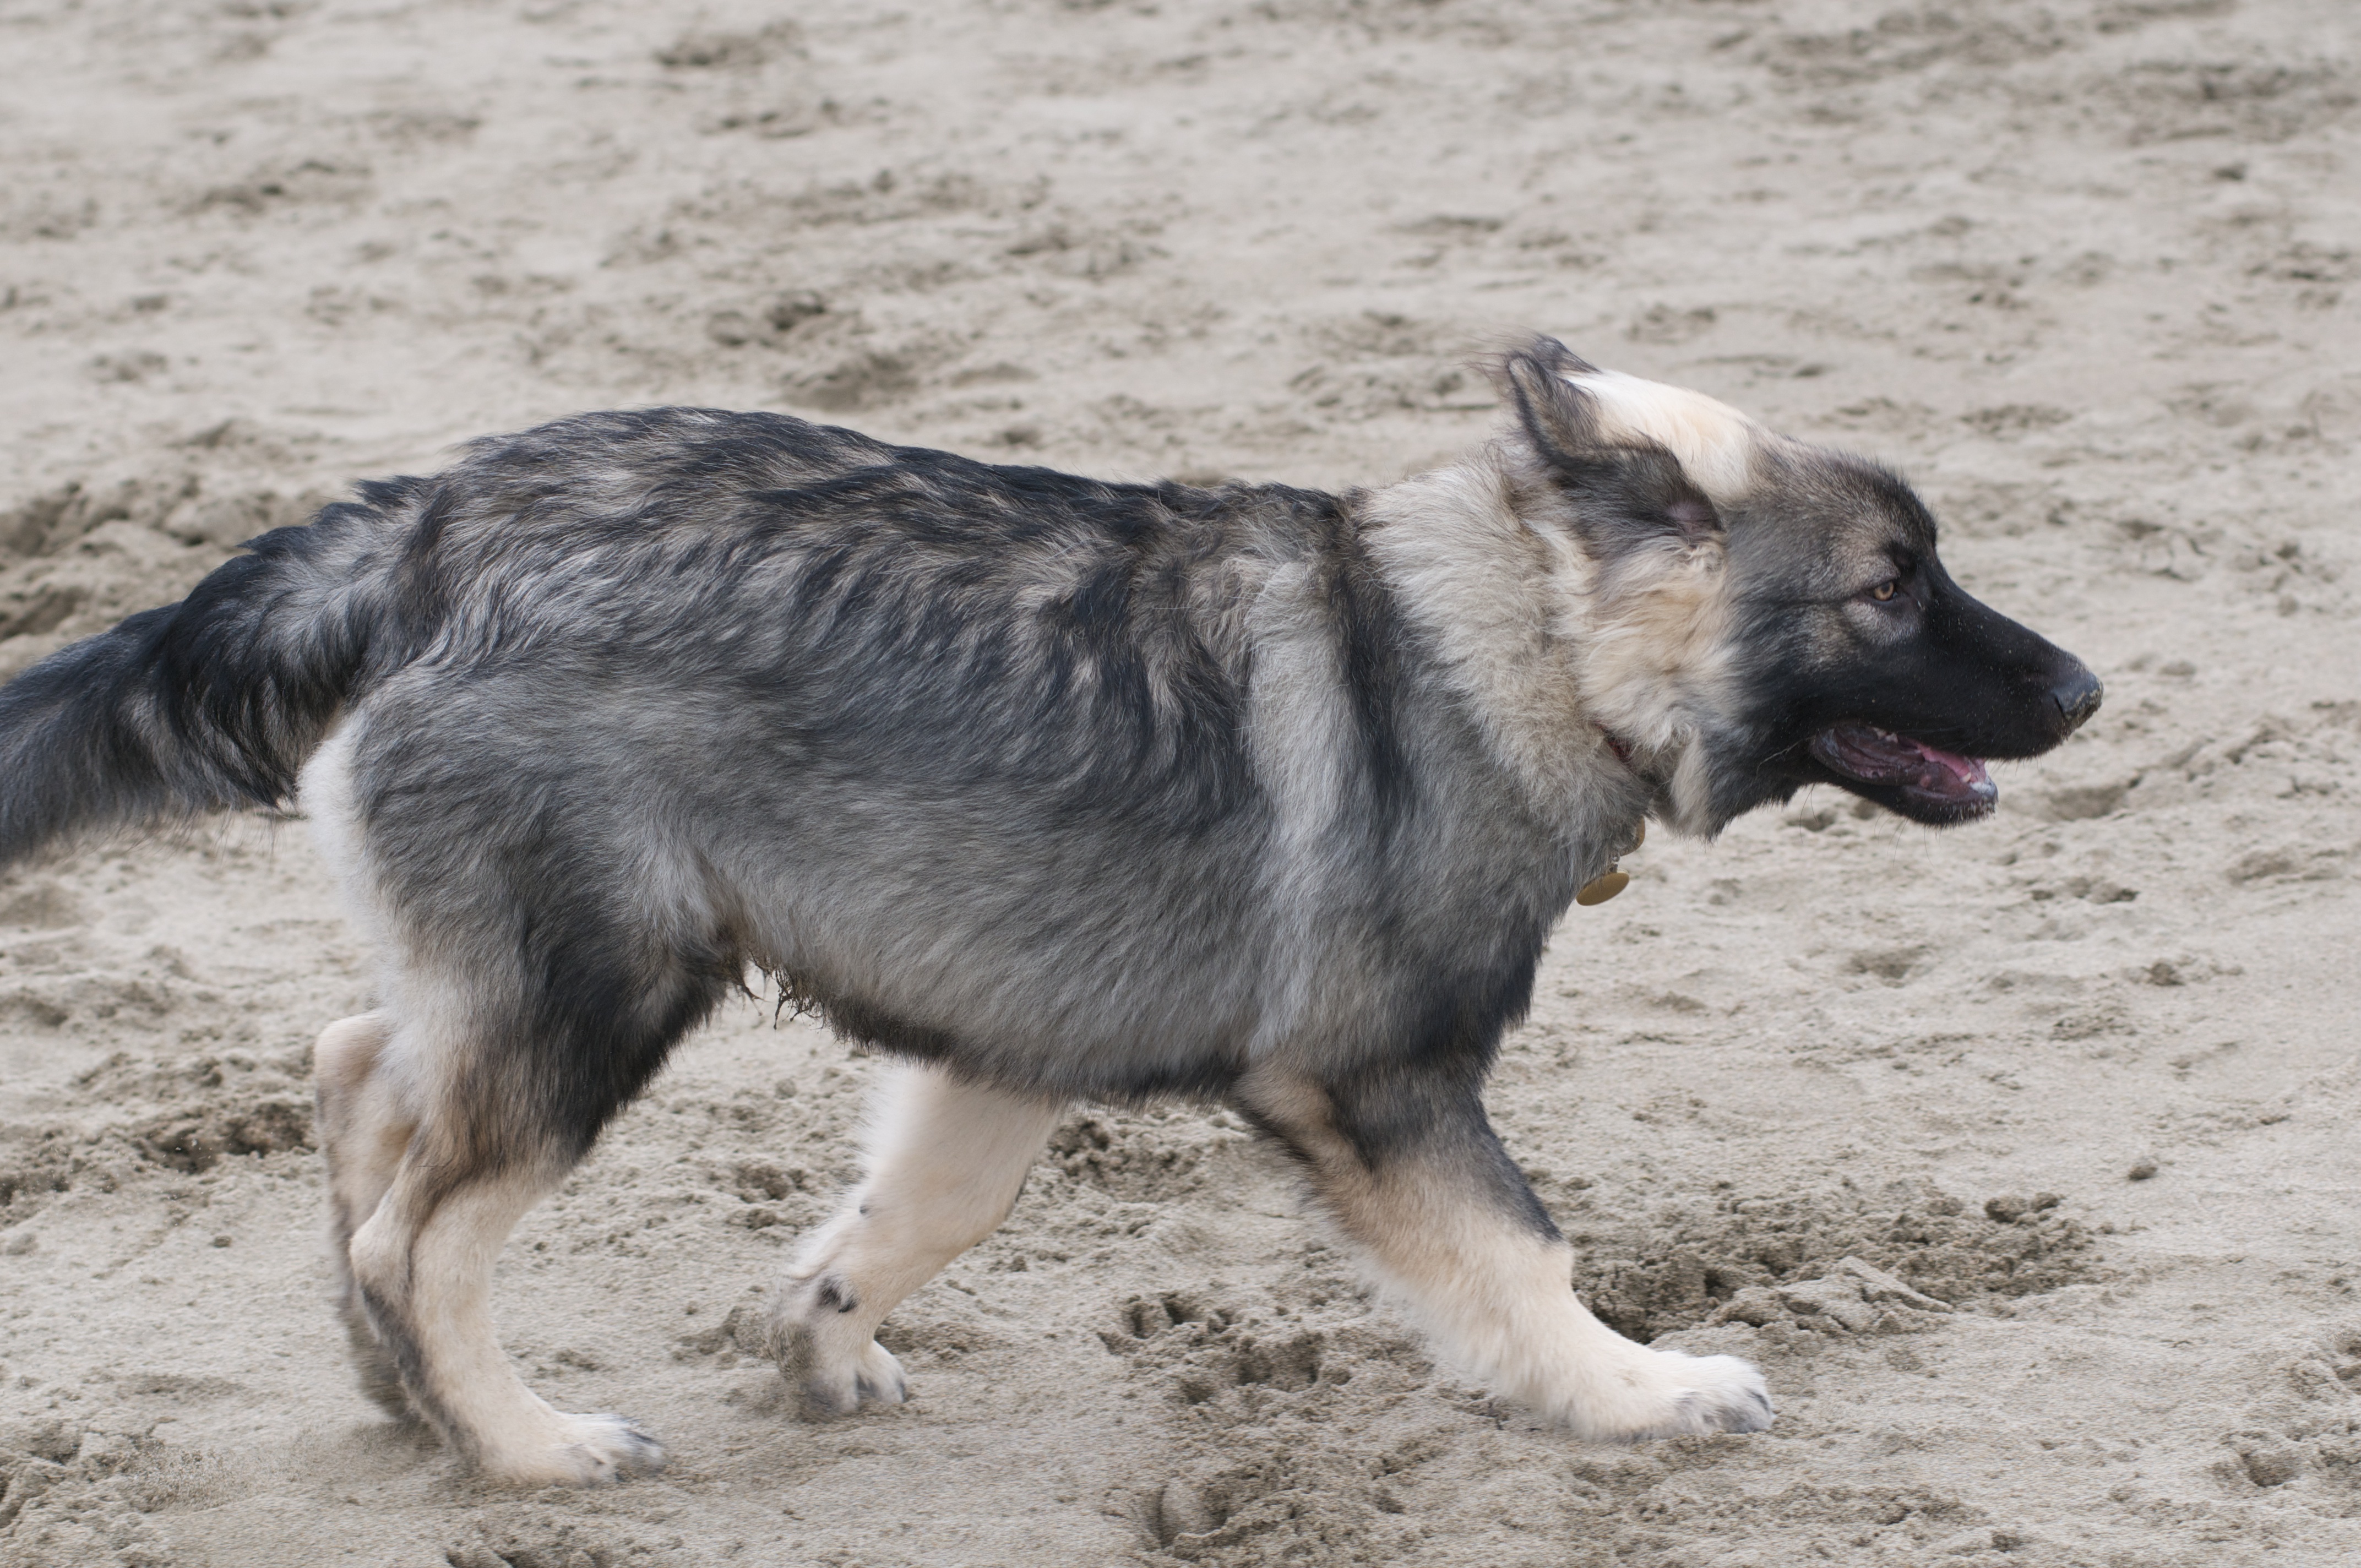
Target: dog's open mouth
1937	782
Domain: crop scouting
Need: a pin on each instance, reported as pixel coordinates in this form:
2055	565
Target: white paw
1640	1394
1720	1393
822	1345
589	1450
823	1342
878	1377
832	1376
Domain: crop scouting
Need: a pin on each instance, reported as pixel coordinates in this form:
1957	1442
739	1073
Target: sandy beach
2021	1158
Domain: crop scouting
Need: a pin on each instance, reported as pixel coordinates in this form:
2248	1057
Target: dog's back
955	751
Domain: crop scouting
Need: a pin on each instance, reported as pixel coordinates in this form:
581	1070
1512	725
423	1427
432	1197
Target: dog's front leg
946	1162
1414	1175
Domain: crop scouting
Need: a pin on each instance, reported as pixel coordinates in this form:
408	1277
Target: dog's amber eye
1883	590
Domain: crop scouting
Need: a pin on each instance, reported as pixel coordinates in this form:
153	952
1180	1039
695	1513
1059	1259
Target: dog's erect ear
1532	376
1628	488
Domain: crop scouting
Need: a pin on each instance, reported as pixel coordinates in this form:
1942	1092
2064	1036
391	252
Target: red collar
1617	744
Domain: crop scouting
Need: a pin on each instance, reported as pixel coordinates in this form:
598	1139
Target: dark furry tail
209	704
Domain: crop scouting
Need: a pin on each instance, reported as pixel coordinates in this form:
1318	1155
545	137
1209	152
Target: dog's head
1767	614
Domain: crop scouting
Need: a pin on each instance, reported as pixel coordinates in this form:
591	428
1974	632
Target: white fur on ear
1713	442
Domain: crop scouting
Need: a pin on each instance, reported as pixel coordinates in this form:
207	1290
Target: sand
2021	1157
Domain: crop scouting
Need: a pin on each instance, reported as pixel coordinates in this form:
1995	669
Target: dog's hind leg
1414	1175
364	1126
508	1096
946	1161
423	1264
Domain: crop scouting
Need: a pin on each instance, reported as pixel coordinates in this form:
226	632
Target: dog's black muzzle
1981	684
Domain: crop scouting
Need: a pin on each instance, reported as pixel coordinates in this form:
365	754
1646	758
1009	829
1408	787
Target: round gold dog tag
1602	888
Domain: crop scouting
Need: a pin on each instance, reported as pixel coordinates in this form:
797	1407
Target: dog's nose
2076	698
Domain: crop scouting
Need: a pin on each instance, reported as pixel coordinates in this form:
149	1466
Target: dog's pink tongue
1879	756
1968	774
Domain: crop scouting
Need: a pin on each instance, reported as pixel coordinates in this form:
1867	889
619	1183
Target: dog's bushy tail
209	704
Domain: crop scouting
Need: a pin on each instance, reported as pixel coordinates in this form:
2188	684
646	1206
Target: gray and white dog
1054	789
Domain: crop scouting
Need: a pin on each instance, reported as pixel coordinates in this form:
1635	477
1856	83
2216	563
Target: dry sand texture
1870	1105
